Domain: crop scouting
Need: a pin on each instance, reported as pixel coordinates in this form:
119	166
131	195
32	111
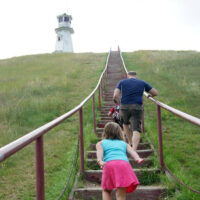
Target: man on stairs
131	108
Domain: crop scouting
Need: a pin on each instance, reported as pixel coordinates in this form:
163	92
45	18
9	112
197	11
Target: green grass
175	74
35	90
149	178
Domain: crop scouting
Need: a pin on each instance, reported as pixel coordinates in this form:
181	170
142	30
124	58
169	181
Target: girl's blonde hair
112	131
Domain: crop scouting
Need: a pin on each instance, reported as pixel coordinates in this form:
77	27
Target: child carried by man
114	113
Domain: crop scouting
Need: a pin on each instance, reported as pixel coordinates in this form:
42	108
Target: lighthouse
64	31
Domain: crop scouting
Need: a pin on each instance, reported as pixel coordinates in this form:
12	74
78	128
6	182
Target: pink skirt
119	174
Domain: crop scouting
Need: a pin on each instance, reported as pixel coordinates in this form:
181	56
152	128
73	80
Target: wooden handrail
183	115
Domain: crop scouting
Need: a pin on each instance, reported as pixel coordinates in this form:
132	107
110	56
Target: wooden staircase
90	188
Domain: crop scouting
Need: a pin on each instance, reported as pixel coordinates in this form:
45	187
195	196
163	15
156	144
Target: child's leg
117	121
121	194
107	195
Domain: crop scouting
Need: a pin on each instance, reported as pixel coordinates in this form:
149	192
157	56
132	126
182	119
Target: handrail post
107	74
101	85
159	124
104	81
93	108
103	78
81	139
99	99
39	155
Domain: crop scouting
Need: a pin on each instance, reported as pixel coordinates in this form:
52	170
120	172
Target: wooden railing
37	135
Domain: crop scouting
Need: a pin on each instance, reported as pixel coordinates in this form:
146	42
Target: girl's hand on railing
140	160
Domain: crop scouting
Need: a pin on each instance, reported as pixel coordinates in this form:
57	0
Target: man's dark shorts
132	114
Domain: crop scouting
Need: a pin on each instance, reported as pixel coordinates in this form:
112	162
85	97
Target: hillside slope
35	90
175	74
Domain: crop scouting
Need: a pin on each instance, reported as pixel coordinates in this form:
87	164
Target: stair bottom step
141	193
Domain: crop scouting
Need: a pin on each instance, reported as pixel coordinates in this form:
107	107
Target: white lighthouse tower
64	31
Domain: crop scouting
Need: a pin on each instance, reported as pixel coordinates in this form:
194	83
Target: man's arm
153	92
116	95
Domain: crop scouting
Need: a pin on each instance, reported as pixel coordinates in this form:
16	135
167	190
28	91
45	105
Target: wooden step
106	107
110	99
100	125
141	193
105	117
108	94
141	146
92	163
105	121
105	112
99	134
142	153
99	130
109	104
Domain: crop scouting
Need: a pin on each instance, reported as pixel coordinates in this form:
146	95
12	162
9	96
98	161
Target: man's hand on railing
153	92
149	95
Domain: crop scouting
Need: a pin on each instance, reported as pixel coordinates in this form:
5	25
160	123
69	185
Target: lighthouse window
58	38
60	19
66	19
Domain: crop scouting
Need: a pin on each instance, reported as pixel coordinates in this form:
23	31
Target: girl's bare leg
121	194
107	195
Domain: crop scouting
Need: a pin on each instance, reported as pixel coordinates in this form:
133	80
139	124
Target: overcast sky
28	26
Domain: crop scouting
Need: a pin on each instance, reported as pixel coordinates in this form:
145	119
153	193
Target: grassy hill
35	90
175	74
